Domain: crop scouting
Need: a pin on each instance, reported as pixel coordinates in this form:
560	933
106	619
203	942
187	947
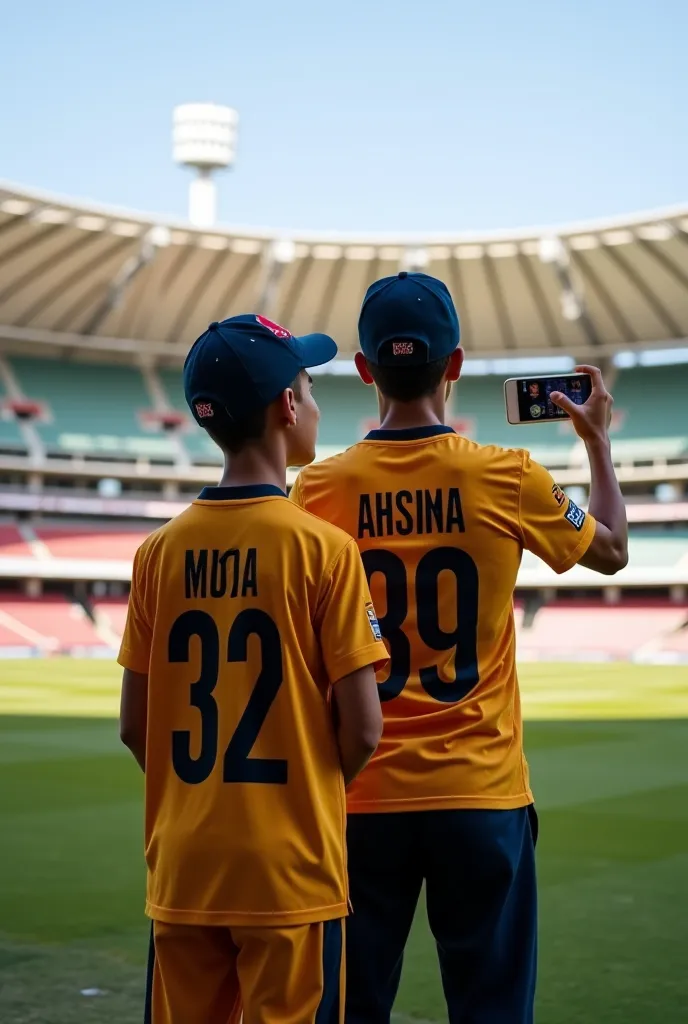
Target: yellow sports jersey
441	523
243	610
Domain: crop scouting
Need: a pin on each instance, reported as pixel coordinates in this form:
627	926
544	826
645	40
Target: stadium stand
12	543
11	439
347	409
51	624
675	643
480	402
509	290
104	410
650	548
195	440
9	638
93	421
111	613
646	550
561	631
651	401
567	630
90	408
649	417
87	542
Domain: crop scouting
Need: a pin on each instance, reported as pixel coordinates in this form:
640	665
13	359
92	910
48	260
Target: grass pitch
607	746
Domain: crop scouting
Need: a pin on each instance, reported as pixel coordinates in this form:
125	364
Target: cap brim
317	349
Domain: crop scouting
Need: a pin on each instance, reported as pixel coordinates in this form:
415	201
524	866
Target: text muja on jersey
385	513
215	573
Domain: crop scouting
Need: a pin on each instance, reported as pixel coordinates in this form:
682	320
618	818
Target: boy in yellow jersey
441	523
249	624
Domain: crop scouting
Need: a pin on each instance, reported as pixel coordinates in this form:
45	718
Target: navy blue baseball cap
242	364
408	320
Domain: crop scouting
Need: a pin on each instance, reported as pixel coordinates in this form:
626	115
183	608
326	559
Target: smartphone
527	398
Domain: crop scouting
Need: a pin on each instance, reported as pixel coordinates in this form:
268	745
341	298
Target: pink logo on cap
402	348
279	332
204	410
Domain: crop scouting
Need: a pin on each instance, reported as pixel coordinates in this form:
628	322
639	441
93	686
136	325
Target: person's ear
455	364
287	406
362	367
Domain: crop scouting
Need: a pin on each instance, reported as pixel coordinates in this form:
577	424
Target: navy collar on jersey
241	493
409	433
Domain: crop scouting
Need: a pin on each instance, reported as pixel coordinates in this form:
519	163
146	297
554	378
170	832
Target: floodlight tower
204	138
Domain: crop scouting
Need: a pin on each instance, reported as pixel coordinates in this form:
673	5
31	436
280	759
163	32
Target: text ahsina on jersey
386	513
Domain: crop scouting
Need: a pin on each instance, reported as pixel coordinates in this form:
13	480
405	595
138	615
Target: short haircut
233	436
408	383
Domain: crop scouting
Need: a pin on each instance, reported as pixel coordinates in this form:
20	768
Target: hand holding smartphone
582	398
528	399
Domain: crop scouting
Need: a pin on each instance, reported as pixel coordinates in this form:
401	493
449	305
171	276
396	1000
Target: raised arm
608	551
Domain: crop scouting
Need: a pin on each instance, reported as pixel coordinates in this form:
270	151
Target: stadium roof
78	275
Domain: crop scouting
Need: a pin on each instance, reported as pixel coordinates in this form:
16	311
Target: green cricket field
608	749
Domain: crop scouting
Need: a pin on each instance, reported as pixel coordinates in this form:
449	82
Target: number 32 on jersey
237	766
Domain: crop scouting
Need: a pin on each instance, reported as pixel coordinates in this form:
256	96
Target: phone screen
534	404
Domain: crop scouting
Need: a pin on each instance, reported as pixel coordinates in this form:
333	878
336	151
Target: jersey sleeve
552	526
134	652
296	494
347	626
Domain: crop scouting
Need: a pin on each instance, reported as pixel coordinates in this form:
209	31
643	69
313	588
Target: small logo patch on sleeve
374	624
575	516
558	495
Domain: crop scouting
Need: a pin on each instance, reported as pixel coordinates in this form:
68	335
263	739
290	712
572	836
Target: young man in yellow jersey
441	523
249	624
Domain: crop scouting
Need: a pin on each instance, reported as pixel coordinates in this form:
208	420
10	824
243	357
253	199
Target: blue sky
365	116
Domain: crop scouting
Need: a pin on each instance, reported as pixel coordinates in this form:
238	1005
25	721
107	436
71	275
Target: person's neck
425	412
253	466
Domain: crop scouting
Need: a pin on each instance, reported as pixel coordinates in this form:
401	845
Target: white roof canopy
132	282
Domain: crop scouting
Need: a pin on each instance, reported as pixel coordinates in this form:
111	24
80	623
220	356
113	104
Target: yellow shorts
211	975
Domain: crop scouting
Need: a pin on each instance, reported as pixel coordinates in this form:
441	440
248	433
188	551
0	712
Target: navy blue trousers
479	872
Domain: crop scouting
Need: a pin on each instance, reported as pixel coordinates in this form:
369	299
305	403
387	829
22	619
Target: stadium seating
651	402
112	613
566	630
8	636
11	439
348	409
675	642
656	549
649	418
481	401
12	544
197	443
51	624
93	409
648	549
90	542
100	410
